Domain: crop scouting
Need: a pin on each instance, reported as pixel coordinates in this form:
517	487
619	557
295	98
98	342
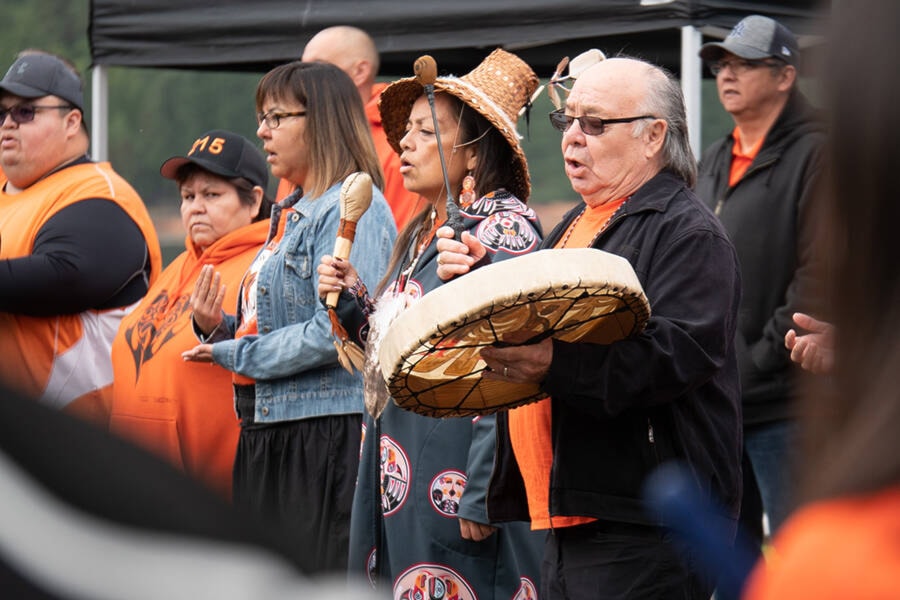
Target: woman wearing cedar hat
179	410
422	480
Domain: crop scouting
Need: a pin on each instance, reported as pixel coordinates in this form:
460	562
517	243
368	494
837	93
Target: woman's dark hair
337	132
493	170
243	187
851	419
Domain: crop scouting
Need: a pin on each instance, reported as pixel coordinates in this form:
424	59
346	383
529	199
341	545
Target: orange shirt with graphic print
181	410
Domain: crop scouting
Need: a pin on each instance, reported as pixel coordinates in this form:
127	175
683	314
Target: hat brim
714	50
26	91
171	166
397	99
23	91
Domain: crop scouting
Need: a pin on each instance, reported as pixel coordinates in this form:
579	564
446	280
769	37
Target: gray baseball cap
37	75
755	37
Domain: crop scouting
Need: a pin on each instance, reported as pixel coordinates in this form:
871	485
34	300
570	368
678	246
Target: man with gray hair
574	464
760	180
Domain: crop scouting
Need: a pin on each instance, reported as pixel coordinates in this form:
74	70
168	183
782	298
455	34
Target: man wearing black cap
759	179
77	246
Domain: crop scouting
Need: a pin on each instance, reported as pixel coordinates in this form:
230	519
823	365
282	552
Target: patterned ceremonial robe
432	471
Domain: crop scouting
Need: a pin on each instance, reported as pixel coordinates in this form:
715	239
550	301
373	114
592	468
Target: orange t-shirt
740	160
530	425
404	204
835	549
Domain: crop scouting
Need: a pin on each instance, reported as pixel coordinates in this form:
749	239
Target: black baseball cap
225	154
35	75
755	37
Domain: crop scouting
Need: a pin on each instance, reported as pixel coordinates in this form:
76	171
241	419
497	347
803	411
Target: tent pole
691	79
99	114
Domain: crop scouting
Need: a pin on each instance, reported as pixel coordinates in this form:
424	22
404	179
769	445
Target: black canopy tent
255	35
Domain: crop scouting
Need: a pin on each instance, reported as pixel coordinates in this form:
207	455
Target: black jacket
671	392
769	217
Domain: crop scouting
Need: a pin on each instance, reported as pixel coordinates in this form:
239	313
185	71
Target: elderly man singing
615	412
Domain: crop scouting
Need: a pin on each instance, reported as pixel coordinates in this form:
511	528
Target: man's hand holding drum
520	364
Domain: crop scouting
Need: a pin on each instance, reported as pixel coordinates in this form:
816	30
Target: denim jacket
293	358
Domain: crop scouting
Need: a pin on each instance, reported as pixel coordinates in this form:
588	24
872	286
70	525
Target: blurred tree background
157	113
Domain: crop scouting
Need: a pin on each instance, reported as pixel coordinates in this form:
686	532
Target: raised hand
207	298
813	351
456	258
200	353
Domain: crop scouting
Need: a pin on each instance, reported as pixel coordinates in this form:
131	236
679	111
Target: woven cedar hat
498	89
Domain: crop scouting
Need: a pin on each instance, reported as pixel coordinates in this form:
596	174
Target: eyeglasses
273	119
24	113
739	66
589	125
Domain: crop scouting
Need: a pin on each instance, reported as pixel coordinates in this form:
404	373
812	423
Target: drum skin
430	354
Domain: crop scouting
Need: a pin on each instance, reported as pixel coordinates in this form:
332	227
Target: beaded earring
467	195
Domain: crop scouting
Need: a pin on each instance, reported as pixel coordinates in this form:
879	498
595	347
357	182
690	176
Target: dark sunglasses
24	113
589	125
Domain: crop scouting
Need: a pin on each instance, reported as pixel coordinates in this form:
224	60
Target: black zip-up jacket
670	392
769	216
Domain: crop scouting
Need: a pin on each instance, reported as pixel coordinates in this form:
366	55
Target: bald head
350	49
619	80
629	87
644	130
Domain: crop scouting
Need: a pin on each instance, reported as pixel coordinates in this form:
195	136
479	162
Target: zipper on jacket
651	437
753	169
549	492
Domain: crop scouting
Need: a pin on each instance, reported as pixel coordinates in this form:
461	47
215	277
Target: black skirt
300	476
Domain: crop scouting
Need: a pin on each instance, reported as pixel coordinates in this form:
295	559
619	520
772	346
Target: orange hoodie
835	550
64	360
183	411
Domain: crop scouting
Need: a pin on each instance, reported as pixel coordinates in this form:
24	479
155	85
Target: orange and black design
157	325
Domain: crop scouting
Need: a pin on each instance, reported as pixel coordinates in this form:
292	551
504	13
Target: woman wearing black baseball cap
190	420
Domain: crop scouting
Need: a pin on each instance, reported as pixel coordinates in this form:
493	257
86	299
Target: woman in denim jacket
300	411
